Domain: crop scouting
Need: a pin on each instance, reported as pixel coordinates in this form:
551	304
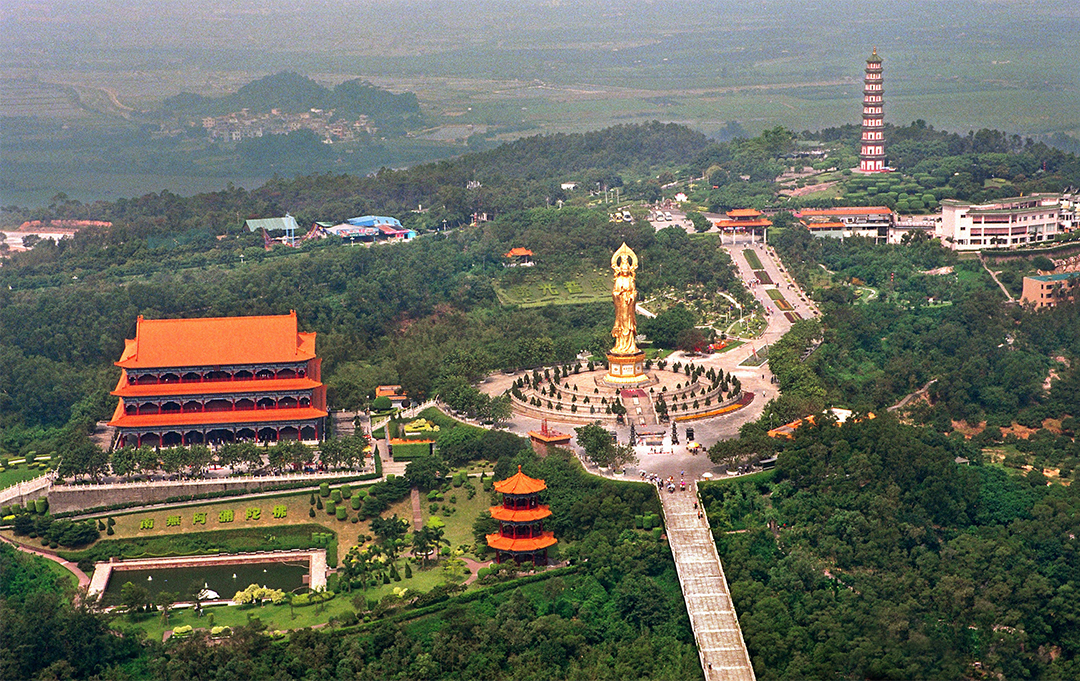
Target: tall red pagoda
521	535
872	152
222	379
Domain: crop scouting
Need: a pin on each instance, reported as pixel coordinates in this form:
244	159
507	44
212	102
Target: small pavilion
546	438
521	534
519	257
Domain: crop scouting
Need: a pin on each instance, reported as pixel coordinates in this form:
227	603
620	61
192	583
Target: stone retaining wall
65	498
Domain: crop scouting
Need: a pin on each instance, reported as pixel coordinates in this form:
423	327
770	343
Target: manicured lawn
460	523
752	259
13	475
296	507
774	294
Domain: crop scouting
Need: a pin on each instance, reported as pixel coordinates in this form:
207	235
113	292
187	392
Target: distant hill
293	93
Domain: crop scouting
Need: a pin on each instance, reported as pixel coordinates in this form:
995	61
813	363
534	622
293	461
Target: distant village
242	125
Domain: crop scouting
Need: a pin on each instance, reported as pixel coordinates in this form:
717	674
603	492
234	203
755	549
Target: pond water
226	580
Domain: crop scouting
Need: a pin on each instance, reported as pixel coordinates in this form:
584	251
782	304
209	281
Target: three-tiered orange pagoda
521	535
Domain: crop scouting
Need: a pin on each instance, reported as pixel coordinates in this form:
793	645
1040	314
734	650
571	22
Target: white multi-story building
1006	223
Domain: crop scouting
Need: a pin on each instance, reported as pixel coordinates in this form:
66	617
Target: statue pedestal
626	369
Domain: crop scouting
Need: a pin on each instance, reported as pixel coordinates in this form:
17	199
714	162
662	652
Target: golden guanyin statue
624	293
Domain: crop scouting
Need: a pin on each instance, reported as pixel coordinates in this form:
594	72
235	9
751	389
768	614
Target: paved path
708	602
417	512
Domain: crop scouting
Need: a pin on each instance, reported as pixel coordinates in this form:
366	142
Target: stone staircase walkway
708	602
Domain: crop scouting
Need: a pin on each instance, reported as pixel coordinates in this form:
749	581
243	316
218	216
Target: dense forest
871	554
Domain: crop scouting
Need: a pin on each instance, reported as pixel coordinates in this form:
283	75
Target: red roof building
741	219
222	379
521	534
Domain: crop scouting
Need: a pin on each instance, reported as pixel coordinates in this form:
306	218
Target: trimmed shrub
346	491
109	531
331	508
355	519
311	500
408	571
342	513
324	489
356	501
319	503
41	505
331	556
657	533
335	496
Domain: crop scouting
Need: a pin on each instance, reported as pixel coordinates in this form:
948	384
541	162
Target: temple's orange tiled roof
501	543
727	224
208	418
843	210
388	391
216	341
517	252
520	483
125	389
743	213
519	516
401	441
827	224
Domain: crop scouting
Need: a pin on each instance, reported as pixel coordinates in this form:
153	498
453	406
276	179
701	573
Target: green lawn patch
761	358
13	475
411	450
186	543
774	294
752	258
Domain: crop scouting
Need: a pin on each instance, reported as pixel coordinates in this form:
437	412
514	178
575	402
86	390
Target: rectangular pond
223	579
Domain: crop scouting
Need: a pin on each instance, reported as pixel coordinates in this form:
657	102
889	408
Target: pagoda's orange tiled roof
126	389
520	484
208	418
216	341
501	543
518	252
743	213
527	515
843	210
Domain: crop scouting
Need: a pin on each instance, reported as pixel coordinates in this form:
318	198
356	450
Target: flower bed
763	277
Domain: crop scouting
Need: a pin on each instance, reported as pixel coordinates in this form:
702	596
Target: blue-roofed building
1047	290
375	221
